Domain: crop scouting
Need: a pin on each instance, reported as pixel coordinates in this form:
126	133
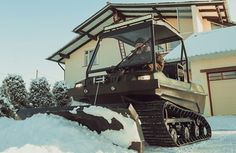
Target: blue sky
32	30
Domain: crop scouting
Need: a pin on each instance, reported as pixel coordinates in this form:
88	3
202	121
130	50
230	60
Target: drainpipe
62	69
209	93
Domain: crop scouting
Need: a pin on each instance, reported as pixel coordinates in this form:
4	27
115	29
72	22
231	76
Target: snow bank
34	149
52	134
123	137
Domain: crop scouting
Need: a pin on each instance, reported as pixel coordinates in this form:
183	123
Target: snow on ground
222	123
123	137
53	134
118	137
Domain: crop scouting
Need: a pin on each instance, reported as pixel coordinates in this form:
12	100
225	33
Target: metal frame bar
92	59
186	59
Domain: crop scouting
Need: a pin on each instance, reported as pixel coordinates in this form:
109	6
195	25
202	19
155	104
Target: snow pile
123	137
52	134
35	149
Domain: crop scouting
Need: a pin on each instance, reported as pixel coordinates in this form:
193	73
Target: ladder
116	19
122	49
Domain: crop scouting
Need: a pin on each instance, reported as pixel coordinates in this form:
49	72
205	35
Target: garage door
223	92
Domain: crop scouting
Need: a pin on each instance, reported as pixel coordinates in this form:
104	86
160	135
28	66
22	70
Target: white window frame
88	56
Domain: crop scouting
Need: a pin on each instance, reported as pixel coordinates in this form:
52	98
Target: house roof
118	12
215	42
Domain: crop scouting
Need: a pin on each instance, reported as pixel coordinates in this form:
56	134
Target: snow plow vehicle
138	78
167	103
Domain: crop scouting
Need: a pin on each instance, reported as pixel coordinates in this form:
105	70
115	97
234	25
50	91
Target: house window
88	56
215	76
222	75
229	75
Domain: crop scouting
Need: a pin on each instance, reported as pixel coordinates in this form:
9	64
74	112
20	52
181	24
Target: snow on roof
215	41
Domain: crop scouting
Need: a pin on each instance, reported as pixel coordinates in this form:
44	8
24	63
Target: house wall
74	66
206	25
184	26
199	24
218	92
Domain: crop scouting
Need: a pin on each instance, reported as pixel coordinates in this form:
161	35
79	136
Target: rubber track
153	124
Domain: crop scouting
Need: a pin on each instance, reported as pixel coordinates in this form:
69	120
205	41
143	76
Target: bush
40	95
13	88
60	94
6	108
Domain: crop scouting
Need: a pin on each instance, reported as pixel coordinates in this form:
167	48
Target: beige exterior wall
199	24
74	66
209	62
197	20
206	25
184	26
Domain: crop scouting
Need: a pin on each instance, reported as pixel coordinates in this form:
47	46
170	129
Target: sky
32	30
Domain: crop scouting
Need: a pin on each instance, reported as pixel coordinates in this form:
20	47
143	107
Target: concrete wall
209	62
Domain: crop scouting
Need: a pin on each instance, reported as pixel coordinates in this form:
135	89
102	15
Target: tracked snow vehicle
135	81
169	106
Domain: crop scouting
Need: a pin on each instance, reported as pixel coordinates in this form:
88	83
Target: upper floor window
88	56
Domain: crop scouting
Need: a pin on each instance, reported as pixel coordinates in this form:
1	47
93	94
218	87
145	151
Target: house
187	17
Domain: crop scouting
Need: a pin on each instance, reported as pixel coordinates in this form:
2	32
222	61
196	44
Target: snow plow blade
95	119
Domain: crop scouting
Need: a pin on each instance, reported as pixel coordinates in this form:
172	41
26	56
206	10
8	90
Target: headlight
78	85
144	77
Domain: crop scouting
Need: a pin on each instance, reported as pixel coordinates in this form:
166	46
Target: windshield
131	48
127	47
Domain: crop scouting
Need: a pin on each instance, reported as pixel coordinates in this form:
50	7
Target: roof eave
100	12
